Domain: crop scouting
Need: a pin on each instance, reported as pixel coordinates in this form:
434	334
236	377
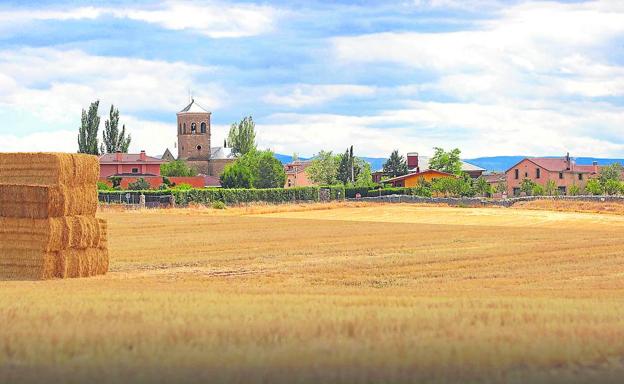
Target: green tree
538	190
611	172
236	175
113	139
395	165
323	169
594	187
88	131
527	186
448	162
551	188
364	178
270	171
482	187
139	185
574	190
242	136
344	168
177	168
611	187
501	187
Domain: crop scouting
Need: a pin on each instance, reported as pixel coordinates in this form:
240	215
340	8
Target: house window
193	128
517	174
202	127
538	173
561	175
516	191
562	190
289	183
526	174
580	176
135	170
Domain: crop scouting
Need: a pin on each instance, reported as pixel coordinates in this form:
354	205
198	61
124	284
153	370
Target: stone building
194	141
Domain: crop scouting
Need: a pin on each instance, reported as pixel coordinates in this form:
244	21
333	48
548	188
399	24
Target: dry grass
366	294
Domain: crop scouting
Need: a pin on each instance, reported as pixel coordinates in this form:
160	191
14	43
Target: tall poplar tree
242	136
88	131
114	140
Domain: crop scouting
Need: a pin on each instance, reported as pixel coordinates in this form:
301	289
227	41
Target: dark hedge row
228	196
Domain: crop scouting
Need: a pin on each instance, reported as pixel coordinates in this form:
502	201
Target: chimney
118	156
595	166
567	161
142	156
412	161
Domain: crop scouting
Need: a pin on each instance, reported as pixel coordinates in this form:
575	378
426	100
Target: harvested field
384	293
614	208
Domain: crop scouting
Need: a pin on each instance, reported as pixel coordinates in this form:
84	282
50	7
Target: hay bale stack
48	227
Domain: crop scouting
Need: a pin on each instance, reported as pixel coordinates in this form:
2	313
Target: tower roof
194	107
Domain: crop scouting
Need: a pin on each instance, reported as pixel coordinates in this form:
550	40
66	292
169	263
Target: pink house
564	172
129	165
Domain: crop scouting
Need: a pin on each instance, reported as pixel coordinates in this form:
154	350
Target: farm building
296	175
563	171
131	167
417	163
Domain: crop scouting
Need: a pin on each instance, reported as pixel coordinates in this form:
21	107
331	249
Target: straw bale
40	202
53	169
52	234
39	265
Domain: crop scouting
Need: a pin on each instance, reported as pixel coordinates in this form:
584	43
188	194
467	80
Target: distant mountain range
491	164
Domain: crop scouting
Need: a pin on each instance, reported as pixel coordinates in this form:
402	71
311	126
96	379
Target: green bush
218	205
139	185
102	186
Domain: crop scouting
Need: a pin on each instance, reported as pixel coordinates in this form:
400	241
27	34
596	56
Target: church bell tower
194	132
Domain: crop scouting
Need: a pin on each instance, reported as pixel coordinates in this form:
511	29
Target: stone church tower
194	133
194	142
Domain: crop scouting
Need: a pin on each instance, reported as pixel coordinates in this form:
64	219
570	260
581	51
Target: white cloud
480	130
313	94
213	19
55	84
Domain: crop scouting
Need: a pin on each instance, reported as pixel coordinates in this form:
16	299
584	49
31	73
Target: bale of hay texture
52	234
40	202
28	264
53	169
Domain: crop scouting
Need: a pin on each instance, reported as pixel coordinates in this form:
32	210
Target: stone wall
483	202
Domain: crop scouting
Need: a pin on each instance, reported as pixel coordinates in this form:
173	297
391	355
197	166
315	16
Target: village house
129	168
563	171
296	175
420	164
415	178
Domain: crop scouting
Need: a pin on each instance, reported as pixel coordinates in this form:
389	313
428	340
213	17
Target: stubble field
366	294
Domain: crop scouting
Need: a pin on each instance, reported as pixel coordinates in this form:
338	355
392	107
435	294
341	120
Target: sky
489	77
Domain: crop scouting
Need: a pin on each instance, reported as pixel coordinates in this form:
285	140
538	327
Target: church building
194	142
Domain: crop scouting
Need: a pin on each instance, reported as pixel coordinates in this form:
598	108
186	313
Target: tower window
184	129
199	147
202	128
193	128
180	129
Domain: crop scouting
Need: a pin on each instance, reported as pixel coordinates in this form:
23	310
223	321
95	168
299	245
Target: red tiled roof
111	158
558	164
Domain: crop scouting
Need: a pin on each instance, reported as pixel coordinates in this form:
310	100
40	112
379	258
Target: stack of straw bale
48	227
